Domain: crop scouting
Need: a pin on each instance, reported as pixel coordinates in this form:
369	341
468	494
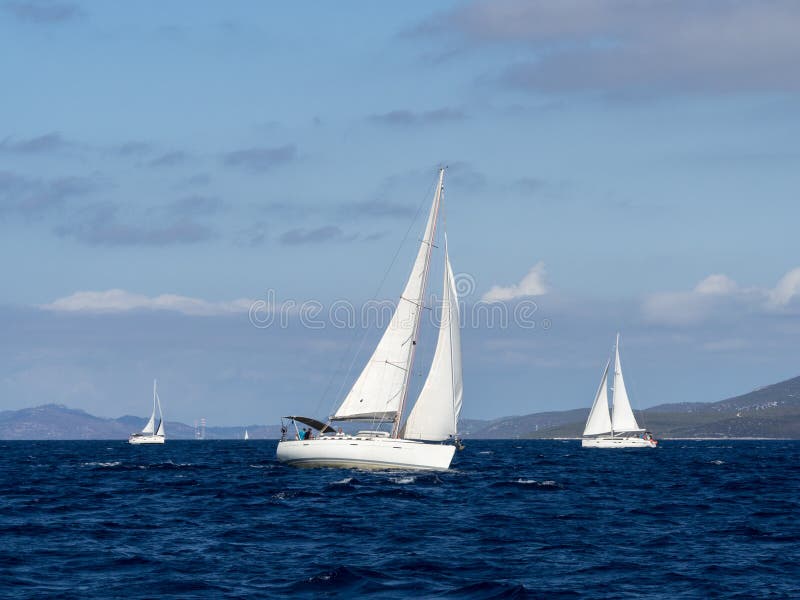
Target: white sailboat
379	394
246	436
152	433
618	428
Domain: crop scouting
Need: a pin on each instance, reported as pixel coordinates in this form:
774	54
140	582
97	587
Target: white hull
618	442
138	438
365	453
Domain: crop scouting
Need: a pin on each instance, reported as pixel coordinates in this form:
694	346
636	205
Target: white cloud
786	291
117	301
533	284
716	285
714	294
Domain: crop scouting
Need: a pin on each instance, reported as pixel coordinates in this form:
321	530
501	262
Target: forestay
435	414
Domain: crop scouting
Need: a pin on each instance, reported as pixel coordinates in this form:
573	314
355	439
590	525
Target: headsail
622	419
379	391
599	420
435	414
151	424
160	429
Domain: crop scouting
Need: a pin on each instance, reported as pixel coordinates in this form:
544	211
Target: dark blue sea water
513	519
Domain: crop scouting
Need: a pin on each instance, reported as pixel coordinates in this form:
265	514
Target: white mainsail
599	420
622	419
379	391
435	414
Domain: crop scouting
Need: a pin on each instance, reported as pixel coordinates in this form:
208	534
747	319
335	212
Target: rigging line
354	356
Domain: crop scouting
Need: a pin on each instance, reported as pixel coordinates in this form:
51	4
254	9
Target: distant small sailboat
246	436
618	428
152	433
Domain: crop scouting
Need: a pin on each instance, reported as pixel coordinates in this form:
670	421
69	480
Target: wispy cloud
261	159
618	45
43	144
377	209
133	148
533	284
120	301
38	11
33	197
252	235
410	118
169	159
328	233
99	225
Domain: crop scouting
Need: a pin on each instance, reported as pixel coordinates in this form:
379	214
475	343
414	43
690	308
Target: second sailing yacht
618	428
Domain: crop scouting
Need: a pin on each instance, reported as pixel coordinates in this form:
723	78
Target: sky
173	175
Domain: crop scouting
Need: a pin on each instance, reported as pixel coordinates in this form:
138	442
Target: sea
511	519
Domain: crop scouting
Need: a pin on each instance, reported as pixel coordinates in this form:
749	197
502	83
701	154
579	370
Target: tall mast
419	301
614	388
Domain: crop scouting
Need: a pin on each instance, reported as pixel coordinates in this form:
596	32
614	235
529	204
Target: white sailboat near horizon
618	428
379	394
246	435
152	433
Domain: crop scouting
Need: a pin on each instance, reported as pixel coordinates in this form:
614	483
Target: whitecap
344	481
547	483
115	463
404	480
717	462
485	452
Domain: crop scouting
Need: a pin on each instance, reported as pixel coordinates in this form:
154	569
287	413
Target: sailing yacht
618	428
246	436
152	433
379	394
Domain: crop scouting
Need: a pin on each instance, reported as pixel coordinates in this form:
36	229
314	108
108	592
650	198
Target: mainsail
380	390
599	420
622	419
435	414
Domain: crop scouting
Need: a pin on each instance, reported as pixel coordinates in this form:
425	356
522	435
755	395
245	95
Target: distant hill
769	412
58	422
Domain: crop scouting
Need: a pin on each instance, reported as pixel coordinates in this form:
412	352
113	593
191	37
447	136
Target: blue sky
625	166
